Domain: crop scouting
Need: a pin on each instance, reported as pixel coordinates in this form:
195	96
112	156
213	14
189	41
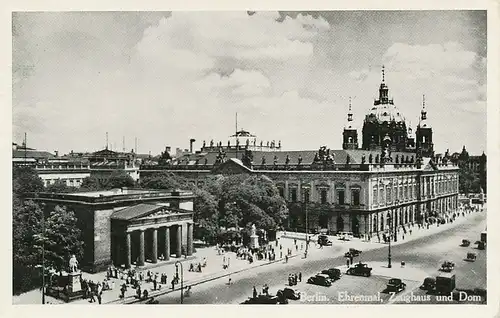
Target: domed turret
384	118
350	132
425	145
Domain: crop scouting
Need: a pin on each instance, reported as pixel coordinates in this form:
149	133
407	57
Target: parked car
323	240
360	269
447	266
290	293
262	300
333	273
471	257
465	243
429	284
395	285
320	279
345	236
352	253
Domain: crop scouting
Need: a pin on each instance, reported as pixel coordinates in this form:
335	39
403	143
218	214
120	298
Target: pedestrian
410	231
351	259
254	292
286	258
230	281
281	255
300	276
295	241
154	283
347	262
173	283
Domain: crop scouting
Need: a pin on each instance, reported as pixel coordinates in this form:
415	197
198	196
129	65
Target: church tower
424	134
350	133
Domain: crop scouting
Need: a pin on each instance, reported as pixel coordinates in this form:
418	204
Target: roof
31	154
307	156
136	211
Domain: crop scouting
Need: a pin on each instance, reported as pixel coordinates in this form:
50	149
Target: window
375	196
293	195
341	196
323	196
382	195
282	192
400	192
355	196
389	194
306	195
406	192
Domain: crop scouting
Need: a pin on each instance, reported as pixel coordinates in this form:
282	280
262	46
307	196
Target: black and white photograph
334	157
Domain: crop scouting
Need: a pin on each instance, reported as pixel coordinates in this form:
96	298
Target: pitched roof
136	211
31	154
307	156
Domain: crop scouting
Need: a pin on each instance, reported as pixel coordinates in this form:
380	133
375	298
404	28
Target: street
423	257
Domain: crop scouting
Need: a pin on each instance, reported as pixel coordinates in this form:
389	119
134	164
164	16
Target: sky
167	77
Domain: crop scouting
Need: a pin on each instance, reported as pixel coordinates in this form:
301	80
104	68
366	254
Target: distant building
475	164
129	226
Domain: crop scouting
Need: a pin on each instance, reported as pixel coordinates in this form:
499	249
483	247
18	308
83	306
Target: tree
164	180
62	238
26	180
26	218
90	184
60	187
119	179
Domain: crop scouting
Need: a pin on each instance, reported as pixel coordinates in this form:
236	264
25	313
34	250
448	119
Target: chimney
57	153
191	141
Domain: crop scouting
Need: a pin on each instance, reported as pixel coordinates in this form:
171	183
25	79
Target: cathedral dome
385	113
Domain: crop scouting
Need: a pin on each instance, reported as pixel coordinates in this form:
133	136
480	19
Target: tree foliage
59	186
60	238
26	180
117	179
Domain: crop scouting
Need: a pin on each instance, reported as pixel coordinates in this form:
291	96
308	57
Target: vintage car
352	253
262	300
290	293
320	279
429	284
345	236
471	257
333	273
447	266
395	285
360	269
323	240
465	243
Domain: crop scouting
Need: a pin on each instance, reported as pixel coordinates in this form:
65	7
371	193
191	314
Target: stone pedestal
254	241
74	284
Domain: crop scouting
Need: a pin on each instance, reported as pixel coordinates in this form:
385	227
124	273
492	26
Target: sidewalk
214	270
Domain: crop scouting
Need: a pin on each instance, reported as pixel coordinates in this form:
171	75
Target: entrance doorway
340	224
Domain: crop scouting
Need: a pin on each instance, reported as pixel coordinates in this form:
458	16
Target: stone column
154	255
189	250
166	248
128	251
178	250
141	248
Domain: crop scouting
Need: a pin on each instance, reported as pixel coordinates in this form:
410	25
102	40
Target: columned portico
148	234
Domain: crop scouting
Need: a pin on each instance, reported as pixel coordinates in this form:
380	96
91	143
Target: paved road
424	254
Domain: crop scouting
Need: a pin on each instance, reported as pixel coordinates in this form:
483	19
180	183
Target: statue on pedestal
73	264
254	230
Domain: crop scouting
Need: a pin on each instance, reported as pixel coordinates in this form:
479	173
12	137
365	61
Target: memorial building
126	227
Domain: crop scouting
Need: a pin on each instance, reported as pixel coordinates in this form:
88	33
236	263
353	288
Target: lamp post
43	258
389	217
177	263
307	229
